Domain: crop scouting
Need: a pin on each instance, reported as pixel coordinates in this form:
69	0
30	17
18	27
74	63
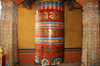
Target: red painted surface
42	30
72	57
21	6
72	49
27	7
49	50
79	6
3	60
72	8
26	51
61	13
28	56
82	2
18	1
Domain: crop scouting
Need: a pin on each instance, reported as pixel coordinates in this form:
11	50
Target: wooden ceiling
28	3
25	3
72	4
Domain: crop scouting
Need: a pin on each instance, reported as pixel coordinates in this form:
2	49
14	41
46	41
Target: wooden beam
70	5
18	1
76	5
5	0
26	4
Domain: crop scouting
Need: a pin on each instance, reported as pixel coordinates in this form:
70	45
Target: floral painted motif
45	62
57	61
37	59
91	45
9	32
49	50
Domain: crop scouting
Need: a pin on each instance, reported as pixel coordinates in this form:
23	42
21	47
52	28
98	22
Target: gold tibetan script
45	15
50	15
50	32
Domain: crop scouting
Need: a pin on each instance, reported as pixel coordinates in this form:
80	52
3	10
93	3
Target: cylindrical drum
49	32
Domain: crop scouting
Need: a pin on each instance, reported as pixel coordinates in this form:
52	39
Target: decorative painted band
27	55
66	48
49	41
49	24
49	15
49	27
49	33
60	1
32	50
54	3
48	38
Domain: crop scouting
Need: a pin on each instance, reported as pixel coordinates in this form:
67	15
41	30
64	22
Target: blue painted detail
42	3
49	27
49	22
45	62
37	58
6	64
50	3
58	58
49	38
45	2
93	64
50	43
83	64
53	2
58	4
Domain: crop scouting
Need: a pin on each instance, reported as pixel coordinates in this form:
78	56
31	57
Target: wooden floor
70	64
64	64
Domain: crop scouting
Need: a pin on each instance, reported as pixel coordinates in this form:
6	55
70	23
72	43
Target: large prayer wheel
49	40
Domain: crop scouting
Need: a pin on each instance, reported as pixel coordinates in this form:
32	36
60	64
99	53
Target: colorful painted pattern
57	1
9	32
49	41
91	45
47	24
49	29
50	3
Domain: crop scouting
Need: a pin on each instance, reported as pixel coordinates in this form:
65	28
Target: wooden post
91	33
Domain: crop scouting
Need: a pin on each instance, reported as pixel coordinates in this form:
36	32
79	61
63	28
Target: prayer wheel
49	32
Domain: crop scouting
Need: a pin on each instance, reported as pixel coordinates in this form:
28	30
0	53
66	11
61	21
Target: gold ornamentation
49	15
